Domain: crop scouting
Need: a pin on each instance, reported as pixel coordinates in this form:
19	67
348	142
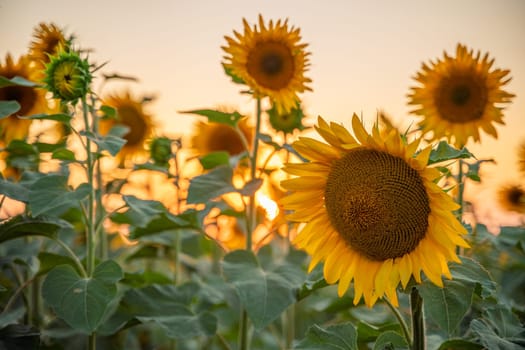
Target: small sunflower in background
130	113
32	100
214	137
48	40
459	95
271	60
372	209
287	122
512	198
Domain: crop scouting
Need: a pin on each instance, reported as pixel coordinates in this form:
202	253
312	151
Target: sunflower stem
461	189
401	320
418	326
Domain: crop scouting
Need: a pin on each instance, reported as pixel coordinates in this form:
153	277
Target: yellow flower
48	40
214	137
372	210
67	76
32	100
270	60
512	198
459	95
130	113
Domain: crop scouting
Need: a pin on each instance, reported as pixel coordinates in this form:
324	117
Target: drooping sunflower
214	137
512	198
31	99
459	95
372	210
129	112
271	60
48	39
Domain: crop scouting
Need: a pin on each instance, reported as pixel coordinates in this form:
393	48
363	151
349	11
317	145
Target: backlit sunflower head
215	137
48	40
130	113
512	198
287	122
459	95
372	209
31	99
271	60
67	76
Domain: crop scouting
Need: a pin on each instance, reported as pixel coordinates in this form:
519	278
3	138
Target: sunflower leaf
16	81
214	159
8	107
23	226
444	152
264	293
390	340
14	190
230	119
60	117
82	302
337	337
234	78
206	187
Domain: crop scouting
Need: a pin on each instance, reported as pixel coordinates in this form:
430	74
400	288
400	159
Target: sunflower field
266	231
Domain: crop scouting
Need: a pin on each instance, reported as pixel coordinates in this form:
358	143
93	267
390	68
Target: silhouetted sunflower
459	95
214	137
512	198
372	210
48	39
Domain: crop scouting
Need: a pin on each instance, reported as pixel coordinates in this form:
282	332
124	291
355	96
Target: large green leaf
82	302
206	187
60	117
112	142
490	338
214	159
444	152
459	344
230	119
51	195
14	190
142	211
23	226
49	261
336	337
265	294
8	107
390	340
447	306
168	307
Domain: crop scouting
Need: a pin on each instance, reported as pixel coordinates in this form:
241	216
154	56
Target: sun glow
270	207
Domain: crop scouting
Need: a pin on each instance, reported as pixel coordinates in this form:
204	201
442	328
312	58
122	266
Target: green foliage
82	301
214	116
22	226
444	152
337	337
8	107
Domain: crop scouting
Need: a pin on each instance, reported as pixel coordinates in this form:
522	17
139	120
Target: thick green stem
243	331
418	326
289	327
92	341
461	189
90	219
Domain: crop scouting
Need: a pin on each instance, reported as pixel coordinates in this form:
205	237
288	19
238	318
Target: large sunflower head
32	100
512	198
271	60
215	137
130	113
459	95
48	40
372	209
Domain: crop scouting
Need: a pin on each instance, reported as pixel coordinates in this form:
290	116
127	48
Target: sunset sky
364	54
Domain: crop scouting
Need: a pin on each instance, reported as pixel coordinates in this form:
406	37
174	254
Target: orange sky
363	55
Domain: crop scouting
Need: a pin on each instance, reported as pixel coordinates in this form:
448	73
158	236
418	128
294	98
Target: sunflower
372	210
130	113
287	122
67	76
48	40
512	198
459	95
270	60
214	137
32	100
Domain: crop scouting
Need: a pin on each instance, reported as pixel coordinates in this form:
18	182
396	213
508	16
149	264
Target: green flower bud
160	150
67	76
286	122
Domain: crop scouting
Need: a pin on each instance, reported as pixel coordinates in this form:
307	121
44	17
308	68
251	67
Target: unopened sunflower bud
160	150
67	76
